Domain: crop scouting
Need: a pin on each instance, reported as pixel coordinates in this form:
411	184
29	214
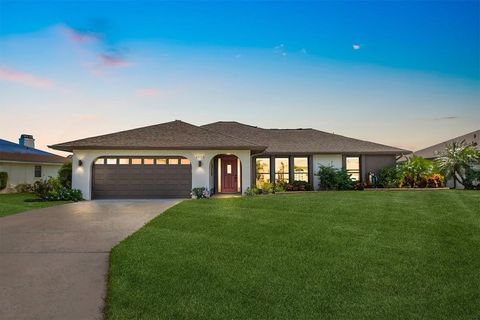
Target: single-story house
168	159
432	152
25	164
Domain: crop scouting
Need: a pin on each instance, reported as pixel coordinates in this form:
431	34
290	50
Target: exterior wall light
199	157
80	163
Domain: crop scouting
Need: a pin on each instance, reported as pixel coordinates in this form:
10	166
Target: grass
329	255
19	202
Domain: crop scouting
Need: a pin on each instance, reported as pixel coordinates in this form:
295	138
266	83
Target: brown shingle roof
472	138
170	135
10	151
298	141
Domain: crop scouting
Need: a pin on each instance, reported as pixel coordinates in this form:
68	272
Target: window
100	161
301	169
262	166
136	161
173	161
281	170
184	161
38	171
148	161
123	161
353	167
162	161
229	169
111	161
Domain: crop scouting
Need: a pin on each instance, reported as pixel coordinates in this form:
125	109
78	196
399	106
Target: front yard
19	202
329	255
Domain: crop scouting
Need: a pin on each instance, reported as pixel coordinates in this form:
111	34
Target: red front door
229	175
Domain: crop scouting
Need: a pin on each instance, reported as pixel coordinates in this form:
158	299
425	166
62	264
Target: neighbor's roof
170	135
10	151
301	141
472	138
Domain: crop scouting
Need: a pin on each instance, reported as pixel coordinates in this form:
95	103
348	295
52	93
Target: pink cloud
24	78
148	92
114	61
79	37
156	93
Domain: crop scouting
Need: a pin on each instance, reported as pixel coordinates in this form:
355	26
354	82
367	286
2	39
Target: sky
401	73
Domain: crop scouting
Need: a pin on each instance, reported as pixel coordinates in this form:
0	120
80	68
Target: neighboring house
431	153
166	160
25	164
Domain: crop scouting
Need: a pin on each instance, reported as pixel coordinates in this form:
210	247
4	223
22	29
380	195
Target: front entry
229	174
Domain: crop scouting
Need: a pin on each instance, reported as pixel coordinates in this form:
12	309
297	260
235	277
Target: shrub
472	178
435	180
42	189
24	188
328	177
52	190
3	180
344	182
279	187
415	172
388	177
200	193
298	185
253	191
334	179
65	174
65	194
267	188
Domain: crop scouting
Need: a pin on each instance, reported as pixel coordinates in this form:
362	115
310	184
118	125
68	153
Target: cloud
114	61
79	37
95	40
280	49
446	118
148	92
27	79
356	46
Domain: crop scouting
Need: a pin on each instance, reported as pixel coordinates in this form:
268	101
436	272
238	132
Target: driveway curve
54	261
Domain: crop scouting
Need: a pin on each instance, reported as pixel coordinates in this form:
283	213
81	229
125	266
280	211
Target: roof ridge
229	136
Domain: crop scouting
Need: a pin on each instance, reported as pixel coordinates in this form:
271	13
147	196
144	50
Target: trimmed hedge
3	180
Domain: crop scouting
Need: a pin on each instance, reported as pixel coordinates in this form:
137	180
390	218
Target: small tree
65	175
456	160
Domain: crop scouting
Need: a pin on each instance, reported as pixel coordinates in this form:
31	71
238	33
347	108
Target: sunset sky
402	73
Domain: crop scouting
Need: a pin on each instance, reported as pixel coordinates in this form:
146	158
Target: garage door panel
117	181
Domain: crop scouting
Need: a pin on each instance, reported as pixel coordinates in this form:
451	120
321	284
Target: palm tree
456	159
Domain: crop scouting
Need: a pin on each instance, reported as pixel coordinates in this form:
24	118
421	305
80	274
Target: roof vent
27	141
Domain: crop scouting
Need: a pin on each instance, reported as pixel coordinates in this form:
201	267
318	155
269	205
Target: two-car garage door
141	178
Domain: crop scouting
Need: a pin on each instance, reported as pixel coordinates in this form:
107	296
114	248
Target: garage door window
162	161
100	161
173	161
123	161
111	160
147	161
136	161
184	161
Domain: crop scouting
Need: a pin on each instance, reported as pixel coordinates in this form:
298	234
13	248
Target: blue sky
404	73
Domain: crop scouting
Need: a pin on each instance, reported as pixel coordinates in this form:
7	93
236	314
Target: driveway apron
54	261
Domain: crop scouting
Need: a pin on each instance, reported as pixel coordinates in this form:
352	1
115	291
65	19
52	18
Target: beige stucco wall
334	160
81	176
19	173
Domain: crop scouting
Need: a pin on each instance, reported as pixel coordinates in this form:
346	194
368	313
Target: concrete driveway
54	261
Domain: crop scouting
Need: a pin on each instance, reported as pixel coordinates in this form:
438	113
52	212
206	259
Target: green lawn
18	202
329	255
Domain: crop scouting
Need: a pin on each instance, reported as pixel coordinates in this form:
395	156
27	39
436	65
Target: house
432	152
167	159
25	164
